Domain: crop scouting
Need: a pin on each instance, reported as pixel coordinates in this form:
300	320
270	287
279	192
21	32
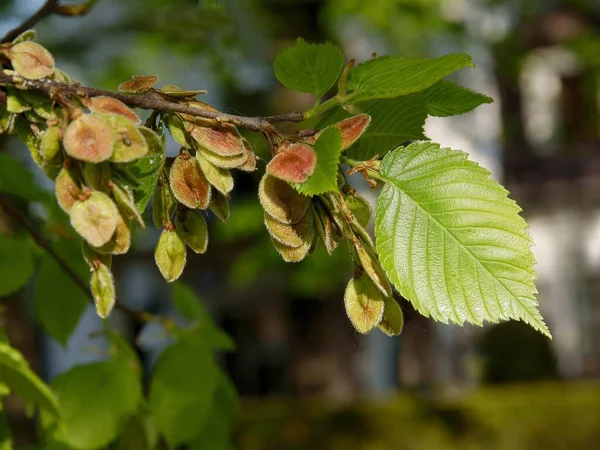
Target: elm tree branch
152	100
47	9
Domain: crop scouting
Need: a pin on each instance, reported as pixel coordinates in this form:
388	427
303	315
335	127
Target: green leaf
96	401
324	179
190	307
310	68
16	374
217	432
182	390
394	121
392	76
15	179
16	263
451	240
59	302
141	177
445	98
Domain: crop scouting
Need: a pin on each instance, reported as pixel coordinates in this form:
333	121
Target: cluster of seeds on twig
95	149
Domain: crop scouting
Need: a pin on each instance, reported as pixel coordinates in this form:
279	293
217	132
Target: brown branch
151	100
46	10
41	242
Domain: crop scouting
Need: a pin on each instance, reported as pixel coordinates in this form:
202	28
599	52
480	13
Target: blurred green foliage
545	416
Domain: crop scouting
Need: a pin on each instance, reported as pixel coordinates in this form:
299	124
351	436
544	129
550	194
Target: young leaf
96	399
146	171
324	178
445	98
16	374
393	76
451	240
309	68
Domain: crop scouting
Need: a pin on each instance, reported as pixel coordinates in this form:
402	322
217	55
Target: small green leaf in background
324	179
16	374
16	180
451	240
141	176
16	263
392	76
216	433
309	68
190	307
182	390
96	401
59	302
445	98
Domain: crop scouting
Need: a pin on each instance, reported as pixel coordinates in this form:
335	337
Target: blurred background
306	378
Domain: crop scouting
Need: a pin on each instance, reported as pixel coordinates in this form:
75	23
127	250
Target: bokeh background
306	378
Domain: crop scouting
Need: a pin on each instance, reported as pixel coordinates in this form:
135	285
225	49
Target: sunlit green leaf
96	401
310	68
451	240
16	374
445	98
392	76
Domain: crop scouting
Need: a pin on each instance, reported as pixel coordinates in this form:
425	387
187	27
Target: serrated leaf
451	240
324	178
16	263
393	76
445	98
309	68
59	302
182	390
16	374
96	400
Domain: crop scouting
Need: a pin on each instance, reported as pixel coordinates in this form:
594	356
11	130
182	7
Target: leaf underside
451	240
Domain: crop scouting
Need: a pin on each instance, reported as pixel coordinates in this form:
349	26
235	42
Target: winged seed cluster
107	166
